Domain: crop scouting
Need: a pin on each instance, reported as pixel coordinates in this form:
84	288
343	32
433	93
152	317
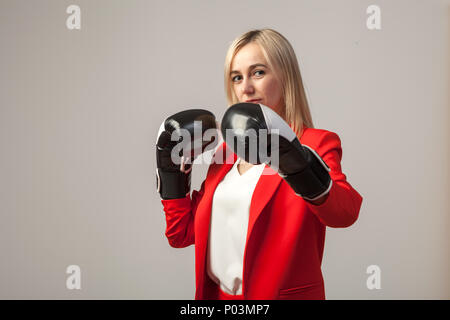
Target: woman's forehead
249	55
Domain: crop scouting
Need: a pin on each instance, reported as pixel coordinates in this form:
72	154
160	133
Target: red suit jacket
285	235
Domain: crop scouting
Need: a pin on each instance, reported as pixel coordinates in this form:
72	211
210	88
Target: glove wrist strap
173	184
314	181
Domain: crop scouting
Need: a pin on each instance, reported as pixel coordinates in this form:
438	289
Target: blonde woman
259	234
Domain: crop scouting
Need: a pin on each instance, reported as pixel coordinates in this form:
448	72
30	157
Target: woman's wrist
319	201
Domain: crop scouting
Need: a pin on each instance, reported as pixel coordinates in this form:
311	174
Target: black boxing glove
181	138
299	165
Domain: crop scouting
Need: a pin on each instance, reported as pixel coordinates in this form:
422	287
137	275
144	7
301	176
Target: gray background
80	110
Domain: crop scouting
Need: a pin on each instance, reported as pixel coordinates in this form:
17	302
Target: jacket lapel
223	163
264	190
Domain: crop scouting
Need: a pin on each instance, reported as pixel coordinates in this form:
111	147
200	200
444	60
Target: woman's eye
235	78
261	72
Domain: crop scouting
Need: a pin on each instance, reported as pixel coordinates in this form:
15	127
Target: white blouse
228	230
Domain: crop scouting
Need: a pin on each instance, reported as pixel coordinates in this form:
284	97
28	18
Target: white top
228	231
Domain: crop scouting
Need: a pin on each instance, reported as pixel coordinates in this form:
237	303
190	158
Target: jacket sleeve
341	208
180	218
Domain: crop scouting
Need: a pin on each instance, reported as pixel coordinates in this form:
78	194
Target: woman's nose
247	87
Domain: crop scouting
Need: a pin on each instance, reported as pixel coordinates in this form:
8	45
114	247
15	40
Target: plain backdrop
80	110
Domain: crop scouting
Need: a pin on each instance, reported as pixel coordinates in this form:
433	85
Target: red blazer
285	235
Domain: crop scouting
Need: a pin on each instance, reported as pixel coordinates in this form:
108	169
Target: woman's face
253	81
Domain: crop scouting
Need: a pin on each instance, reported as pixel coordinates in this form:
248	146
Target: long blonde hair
282	59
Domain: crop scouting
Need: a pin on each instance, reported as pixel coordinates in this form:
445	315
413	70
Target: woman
256	234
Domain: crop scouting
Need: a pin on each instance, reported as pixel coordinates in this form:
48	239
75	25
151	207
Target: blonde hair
282	59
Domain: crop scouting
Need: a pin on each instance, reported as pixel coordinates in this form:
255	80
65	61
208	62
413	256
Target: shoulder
321	140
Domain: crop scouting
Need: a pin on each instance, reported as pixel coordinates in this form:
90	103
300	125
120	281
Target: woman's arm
340	207
180	215
311	166
174	171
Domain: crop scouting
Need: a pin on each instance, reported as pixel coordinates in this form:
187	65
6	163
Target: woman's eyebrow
251	67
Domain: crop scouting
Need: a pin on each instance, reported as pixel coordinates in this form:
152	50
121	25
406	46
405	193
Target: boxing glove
277	145
181	138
